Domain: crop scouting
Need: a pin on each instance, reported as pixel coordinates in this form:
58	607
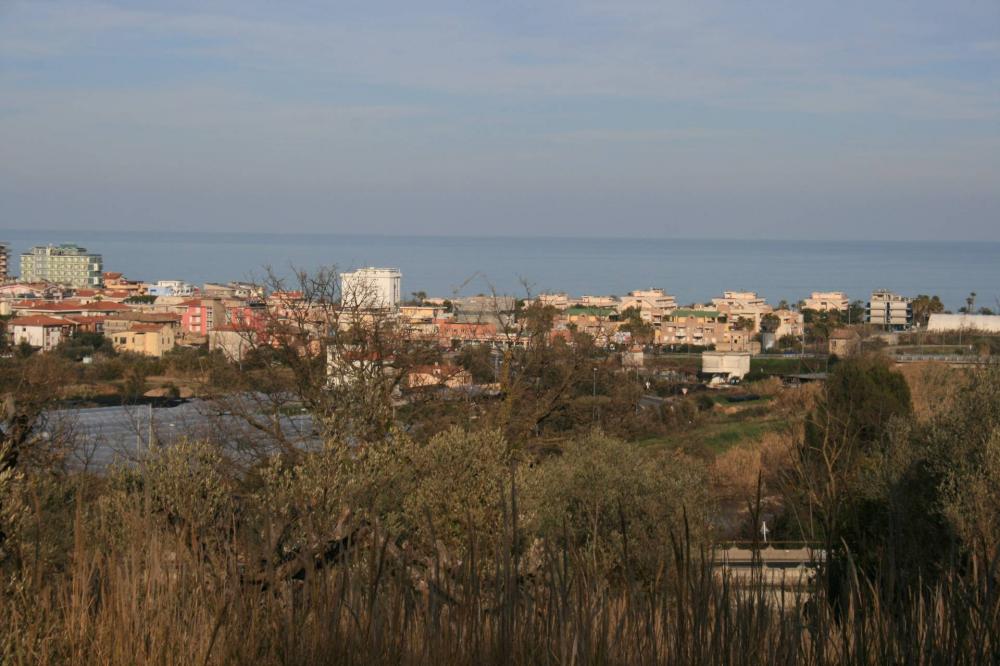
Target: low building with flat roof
944	323
728	365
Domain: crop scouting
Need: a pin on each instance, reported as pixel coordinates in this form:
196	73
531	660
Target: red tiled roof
89	319
40	320
71	306
146	328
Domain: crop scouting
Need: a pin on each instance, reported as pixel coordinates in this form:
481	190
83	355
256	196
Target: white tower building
371	288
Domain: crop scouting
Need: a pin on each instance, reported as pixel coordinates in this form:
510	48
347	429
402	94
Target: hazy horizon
635	119
74	236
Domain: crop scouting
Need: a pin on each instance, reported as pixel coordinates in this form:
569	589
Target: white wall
371	288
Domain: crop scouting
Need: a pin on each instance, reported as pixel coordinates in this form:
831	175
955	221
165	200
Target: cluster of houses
60	296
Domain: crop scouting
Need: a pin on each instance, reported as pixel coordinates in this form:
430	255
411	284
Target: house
88	324
437	375
844	342
146	339
40	331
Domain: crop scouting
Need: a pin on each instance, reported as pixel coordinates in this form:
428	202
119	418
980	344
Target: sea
693	270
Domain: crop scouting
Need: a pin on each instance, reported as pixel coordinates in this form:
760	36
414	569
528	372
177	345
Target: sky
634	118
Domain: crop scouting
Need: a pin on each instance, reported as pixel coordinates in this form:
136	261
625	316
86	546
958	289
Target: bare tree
338	357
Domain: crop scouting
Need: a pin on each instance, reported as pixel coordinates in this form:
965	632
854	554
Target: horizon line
740	239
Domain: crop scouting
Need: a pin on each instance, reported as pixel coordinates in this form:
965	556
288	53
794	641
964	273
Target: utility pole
594	416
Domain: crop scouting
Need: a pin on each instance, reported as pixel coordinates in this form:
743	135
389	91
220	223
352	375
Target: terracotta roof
70	306
89	319
40	320
147	317
146	328
104	305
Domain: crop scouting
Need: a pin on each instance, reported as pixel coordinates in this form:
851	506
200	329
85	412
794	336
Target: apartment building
62	264
742	304
4	251
589	301
889	310
826	301
652	304
199	316
684	326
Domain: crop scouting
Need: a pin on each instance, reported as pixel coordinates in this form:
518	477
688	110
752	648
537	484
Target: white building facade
371	288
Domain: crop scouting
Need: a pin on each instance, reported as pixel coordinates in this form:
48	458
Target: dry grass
167	596
933	387
735	472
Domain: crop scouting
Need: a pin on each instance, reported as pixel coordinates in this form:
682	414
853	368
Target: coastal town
64	291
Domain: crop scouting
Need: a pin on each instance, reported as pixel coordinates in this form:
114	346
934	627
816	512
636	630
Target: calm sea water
693	270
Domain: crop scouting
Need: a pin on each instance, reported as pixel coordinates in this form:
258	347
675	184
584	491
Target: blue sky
627	117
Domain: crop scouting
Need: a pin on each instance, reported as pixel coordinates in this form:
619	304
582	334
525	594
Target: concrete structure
827	301
146	339
3	262
40	331
943	323
371	288
892	311
62	264
728	365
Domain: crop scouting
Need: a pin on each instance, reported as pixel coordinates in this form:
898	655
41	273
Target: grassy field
723	427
